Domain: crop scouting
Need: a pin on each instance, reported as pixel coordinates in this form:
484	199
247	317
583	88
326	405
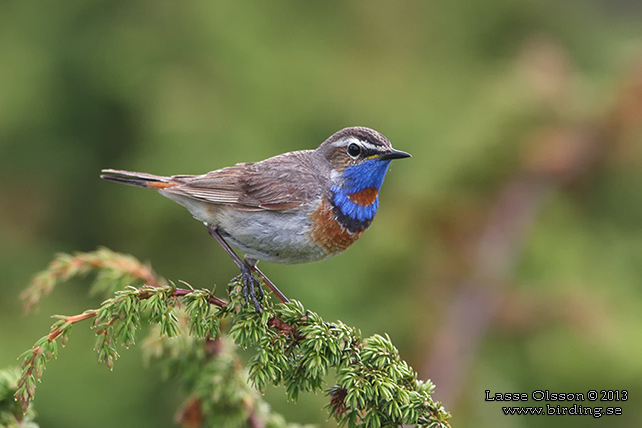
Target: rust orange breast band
328	233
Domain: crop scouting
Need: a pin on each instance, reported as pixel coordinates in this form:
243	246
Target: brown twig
212	299
30	363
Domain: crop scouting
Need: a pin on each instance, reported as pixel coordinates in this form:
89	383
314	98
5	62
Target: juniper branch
114	271
116	321
12	415
293	348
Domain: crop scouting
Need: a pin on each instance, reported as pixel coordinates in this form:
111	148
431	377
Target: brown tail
137	178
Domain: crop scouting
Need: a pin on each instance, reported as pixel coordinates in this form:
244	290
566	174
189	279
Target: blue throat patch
369	174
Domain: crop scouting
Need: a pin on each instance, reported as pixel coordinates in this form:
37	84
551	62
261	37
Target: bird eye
354	150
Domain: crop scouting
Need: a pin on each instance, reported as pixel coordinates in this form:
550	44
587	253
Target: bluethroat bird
296	207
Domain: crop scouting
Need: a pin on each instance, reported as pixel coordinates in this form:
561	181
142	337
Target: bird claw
250	285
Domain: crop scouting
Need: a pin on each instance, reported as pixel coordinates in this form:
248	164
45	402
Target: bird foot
250	285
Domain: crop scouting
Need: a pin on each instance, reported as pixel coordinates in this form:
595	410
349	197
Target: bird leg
248	280
269	284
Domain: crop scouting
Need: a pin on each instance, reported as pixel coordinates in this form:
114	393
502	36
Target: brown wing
282	182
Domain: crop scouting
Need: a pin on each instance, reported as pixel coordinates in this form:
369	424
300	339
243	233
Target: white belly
272	236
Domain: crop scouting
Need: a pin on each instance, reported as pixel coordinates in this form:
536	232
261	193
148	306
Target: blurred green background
506	255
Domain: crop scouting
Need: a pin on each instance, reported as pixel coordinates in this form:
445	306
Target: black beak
394	154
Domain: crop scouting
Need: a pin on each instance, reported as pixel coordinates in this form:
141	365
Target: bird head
359	159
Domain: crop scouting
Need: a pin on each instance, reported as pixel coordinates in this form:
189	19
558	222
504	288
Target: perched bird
296	207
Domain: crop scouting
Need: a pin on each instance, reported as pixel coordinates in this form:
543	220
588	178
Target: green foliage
12	414
294	348
113	271
213	378
203	321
